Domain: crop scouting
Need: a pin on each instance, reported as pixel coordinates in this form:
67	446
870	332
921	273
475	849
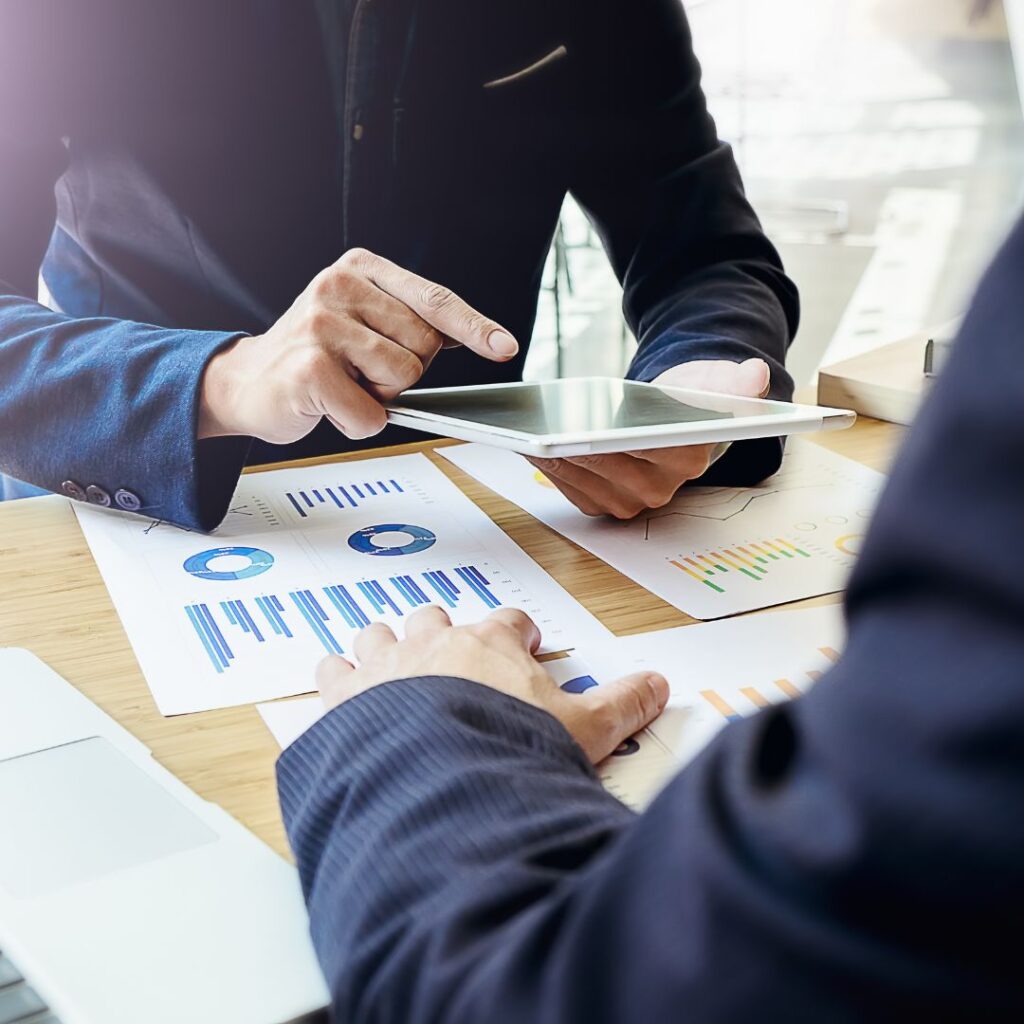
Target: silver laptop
124	897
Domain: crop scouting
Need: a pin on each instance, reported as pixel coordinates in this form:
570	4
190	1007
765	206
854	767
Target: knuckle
659	497
321	287
356	259
345	285
627	509
317	322
436	297
476	324
327	670
492	630
514	617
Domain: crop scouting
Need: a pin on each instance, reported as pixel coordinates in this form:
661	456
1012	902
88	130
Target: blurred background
882	144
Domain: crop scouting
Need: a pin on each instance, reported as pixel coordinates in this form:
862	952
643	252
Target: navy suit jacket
181	170
856	855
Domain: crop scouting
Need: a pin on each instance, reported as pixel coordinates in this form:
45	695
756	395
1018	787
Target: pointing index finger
441	308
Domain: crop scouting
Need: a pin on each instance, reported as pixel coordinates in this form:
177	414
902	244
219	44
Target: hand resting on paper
497	652
625	484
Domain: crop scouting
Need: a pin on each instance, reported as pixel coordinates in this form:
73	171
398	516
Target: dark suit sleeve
98	401
701	280
854	855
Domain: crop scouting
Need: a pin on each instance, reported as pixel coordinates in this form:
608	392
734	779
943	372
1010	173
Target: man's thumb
753	378
623	708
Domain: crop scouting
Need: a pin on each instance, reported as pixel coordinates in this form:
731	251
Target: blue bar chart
306	501
331	613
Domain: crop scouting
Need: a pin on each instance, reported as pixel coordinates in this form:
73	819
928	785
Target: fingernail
659	682
767	377
502	344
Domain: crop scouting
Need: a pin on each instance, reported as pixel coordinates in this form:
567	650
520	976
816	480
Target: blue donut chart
420	539
199	565
580	684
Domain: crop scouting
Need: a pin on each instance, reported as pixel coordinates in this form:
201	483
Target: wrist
219	393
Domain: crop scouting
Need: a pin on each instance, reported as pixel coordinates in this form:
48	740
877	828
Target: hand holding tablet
595	415
616	447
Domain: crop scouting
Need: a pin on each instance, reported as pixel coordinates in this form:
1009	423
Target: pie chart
850	544
391	539
580	684
236	563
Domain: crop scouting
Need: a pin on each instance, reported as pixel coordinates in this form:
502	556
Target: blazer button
128	500
73	490
97	496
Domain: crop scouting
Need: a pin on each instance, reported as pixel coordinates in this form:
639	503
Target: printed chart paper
718	672
305	558
287	720
631	773
714	551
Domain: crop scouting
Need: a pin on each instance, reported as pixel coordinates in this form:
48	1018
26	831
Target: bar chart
246	615
744	699
330	613
753	561
306	501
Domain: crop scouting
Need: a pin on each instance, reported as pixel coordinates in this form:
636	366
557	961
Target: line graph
716	551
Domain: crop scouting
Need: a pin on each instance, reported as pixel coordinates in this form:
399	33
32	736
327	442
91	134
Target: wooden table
53	601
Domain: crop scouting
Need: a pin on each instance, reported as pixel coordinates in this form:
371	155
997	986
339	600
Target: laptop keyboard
19	1002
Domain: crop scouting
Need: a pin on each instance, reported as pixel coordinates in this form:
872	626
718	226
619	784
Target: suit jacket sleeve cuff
113	404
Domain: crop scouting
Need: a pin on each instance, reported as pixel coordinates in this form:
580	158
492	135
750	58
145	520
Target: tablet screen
580	405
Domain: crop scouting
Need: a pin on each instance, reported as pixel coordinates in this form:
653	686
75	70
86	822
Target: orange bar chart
721	705
788	688
755	696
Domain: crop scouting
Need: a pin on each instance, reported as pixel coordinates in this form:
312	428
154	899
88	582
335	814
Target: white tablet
584	415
